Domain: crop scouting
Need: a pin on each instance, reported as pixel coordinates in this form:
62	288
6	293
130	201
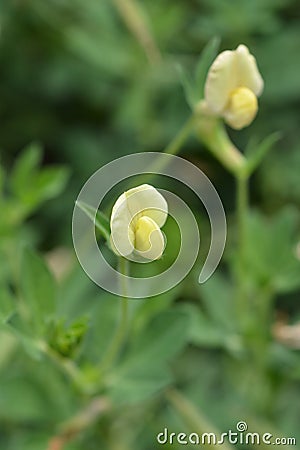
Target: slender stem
242	212
83	420
132	15
67	366
180	138
193	418
172	148
212	132
118	339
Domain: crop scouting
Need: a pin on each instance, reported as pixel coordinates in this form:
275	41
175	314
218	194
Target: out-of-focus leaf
103	319
99	218
7	305
145	310
207	56
206	333
48	183
25	169
188	87
12	212
257	152
239	18
281	74
271	255
21	401
8	347
163	338
203	331
2	179
38	289
278	177
44	185
31	184
20	330
217	296
194	87
145	369
28	440
139	383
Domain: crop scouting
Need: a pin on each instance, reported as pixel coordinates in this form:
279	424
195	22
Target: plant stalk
120	335
172	148
194	419
242	204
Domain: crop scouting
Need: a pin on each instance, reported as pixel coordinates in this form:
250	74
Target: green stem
79	423
67	366
193	418
119	337
172	148
242	212
212	132
180	138
130	11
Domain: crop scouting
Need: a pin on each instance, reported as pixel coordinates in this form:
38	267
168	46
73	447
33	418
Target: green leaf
25	169
2	179
20	400
7	305
194	88
188	87
206	333
162	339
24	334
207	56
38	289
203	331
44	185
100	220
139	383
145	310
217	297
145	368
257	152
48	183
33	185
271	255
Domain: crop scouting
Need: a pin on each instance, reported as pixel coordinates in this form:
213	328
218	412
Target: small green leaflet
100	220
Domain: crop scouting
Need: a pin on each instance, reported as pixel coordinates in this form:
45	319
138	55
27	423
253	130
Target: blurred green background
82	83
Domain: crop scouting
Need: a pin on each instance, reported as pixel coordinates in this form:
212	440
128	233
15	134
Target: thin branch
133	17
80	422
193	418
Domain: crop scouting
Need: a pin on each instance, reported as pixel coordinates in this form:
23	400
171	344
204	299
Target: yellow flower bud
232	86
136	219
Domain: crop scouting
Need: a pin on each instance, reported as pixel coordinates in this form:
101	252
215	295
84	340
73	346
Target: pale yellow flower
232	86
136	219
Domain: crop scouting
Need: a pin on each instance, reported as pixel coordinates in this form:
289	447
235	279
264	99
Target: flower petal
241	109
247	71
220	81
147	201
149	240
122	234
